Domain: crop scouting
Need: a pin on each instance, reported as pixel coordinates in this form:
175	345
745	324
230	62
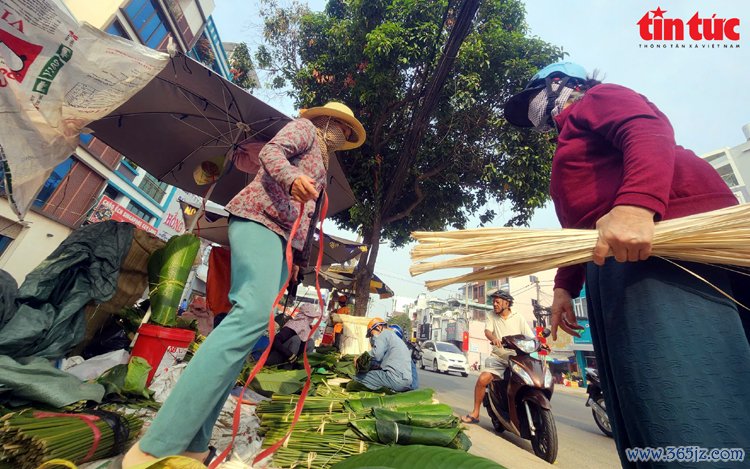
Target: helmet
517	107
397	329
375	322
500	293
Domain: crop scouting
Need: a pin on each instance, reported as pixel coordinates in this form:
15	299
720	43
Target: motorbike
520	402
596	401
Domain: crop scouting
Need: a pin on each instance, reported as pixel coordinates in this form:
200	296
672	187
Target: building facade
733	164
96	179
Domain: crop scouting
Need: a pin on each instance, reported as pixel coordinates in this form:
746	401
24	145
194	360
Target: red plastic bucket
161	346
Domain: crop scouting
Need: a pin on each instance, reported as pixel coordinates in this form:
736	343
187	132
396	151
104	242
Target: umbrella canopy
342	278
189	115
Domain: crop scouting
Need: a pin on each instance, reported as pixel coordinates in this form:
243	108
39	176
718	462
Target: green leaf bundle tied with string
168	270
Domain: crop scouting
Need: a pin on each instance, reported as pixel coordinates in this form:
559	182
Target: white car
444	357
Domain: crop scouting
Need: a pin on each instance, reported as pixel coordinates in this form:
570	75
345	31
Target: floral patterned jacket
294	151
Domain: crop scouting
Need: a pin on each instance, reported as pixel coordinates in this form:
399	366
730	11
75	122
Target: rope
705	281
272	333
301	402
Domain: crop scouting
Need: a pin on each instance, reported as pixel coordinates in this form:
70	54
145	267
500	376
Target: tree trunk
365	269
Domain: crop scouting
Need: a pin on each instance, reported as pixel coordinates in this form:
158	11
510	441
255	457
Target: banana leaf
410	398
365	429
396	433
136	377
169	269
388	432
409	457
285	382
442	409
426	420
363	362
127	379
345	369
461	442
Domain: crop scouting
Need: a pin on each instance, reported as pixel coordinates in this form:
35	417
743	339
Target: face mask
538	113
331	133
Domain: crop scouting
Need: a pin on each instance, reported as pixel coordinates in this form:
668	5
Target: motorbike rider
503	322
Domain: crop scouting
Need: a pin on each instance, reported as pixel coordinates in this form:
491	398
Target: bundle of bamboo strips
717	237
320	438
26	440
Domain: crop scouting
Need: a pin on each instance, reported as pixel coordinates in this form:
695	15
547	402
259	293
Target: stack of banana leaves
335	425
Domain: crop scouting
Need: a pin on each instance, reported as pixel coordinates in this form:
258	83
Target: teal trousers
187	418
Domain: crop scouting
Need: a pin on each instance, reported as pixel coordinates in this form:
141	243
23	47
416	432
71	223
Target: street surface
581	444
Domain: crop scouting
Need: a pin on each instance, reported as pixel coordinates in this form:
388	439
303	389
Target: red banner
108	209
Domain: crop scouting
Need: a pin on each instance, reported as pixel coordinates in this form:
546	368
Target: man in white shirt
503	322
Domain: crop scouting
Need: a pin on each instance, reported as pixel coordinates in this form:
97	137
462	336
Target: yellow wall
97	12
33	245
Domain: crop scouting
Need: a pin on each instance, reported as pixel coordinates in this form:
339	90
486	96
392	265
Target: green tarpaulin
36	380
48	318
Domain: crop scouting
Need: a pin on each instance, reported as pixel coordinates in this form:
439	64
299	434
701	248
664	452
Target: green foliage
242	69
403	321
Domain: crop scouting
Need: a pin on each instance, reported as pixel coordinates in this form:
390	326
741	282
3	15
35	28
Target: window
153	187
54	180
147	21
111	192
447	348
9	231
116	29
727	174
2	180
140	212
4	243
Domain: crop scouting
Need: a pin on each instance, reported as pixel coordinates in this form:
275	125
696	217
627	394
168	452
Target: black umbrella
189	116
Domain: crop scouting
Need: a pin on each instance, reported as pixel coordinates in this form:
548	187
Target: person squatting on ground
503	323
293	171
291	340
617	169
416	354
391	361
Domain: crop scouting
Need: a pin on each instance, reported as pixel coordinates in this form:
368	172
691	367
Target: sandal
211	455
469	419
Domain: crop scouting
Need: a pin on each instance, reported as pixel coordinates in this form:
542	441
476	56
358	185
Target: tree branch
418	191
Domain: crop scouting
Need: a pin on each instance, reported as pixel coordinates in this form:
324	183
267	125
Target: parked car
444	357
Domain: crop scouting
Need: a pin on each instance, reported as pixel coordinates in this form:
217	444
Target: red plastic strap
271	334
303	395
88	420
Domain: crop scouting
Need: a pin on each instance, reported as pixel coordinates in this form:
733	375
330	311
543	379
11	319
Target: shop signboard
108	209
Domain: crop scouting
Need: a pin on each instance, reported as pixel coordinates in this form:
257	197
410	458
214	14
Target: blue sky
704	91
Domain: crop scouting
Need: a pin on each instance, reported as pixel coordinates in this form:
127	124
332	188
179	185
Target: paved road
581	444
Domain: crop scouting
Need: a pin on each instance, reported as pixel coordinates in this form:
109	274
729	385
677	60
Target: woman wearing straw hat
617	169
293	170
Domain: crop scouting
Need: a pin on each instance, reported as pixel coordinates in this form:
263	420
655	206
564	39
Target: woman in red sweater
673	353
